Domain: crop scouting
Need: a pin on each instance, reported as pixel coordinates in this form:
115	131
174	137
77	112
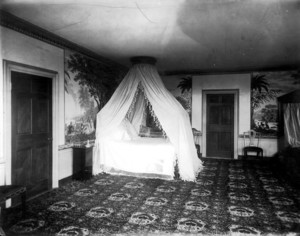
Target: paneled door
220	125
31	132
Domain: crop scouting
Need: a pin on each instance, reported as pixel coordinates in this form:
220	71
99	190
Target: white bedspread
154	156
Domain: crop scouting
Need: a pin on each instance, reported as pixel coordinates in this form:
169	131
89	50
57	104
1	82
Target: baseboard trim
65	180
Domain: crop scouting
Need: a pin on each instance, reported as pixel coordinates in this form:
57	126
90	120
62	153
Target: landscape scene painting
80	108
266	87
88	86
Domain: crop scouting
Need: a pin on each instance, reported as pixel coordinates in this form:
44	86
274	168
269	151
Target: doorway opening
31	127
31	142
220	124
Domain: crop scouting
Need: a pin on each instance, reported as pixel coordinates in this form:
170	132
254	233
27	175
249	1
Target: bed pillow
144	131
151	132
156	134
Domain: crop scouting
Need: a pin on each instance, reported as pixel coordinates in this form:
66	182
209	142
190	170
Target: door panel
24	115
220	125
31	132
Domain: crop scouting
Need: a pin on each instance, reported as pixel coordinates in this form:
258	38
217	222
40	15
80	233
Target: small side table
197	134
8	192
82	161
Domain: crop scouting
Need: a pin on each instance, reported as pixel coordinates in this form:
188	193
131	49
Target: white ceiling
181	34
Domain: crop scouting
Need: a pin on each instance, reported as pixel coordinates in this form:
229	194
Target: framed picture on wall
265	88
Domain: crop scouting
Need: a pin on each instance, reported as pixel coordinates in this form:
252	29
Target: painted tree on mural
296	76
100	79
95	83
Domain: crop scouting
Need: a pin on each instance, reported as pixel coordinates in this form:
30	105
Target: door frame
235	92
8	67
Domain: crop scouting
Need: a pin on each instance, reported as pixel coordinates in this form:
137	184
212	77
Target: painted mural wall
89	84
80	107
181	88
266	87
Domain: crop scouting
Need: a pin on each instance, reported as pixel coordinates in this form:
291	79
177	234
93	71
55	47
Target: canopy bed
143	130
289	130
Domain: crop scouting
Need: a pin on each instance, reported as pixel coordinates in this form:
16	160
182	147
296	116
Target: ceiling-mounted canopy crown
143	59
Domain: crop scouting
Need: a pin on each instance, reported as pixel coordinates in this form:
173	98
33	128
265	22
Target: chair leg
245	154
23	198
2	214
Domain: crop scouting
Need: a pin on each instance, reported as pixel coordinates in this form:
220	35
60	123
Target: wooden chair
252	137
8	192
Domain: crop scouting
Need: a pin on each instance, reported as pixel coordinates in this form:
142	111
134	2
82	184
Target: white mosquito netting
142	87
292	123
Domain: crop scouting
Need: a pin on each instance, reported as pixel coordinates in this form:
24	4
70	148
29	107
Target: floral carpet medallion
211	168
292	217
165	189
27	226
133	185
243	230
264	172
207	174
204	182
62	206
190	225
281	201
267	180
228	197
74	231
237	185
104	182
196	206
272	188
119	197
236	177
85	192
142	218
240	211
99	212
156	201
200	192
232	170
238	196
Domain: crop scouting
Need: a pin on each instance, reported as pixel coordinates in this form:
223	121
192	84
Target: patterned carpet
228	197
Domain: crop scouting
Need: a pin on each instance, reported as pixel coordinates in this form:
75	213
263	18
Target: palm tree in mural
185	84
260	93
296	76
259	82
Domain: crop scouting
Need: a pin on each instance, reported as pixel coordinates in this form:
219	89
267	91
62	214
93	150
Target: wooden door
220	125
31	132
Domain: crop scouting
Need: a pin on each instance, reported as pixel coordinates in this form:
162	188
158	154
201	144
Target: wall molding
240	70
15	23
